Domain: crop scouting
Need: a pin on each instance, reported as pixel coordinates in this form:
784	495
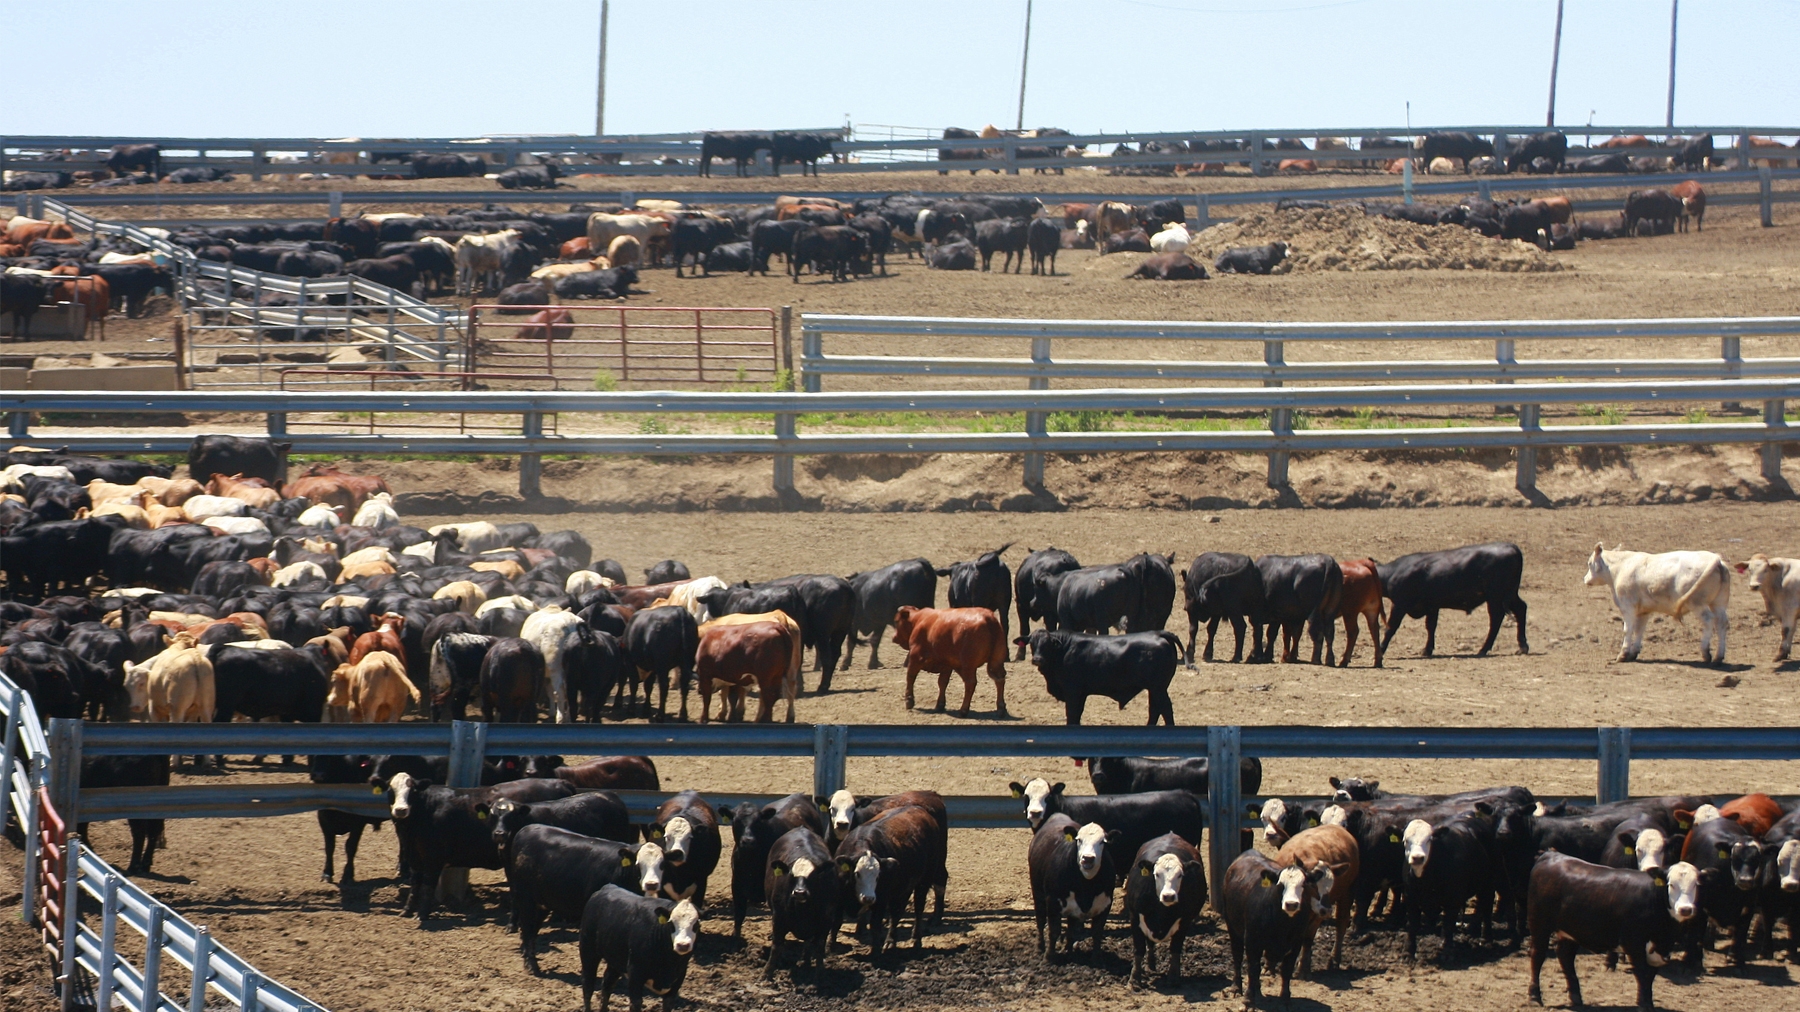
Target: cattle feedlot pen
1279	440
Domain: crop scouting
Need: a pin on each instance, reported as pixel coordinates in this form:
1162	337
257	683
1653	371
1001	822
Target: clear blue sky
425	68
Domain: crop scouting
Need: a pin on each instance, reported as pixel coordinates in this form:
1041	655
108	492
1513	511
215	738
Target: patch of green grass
1698	416
1079	421
1603	414
604	380
1361	418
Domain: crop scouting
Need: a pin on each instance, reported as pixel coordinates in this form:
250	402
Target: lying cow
1176	266
1251	259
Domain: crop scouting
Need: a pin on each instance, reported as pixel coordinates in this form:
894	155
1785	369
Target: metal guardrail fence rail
52	896
831	746
1278	440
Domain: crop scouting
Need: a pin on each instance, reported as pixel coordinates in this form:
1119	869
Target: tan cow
359	570
175	686
467	594
373	690
505	567
247	490
1778	581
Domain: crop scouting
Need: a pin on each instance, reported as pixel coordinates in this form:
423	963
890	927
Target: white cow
201	508
1672	583
518	601
648	229
236	525
299	572
481	260
549	631
377	511
1173	238
583	582
687	595
319	515
1778	581
475	536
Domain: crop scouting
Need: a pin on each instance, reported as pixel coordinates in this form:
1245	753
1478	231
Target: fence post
1274	354
109	921
334	205
1525	478
468	747
1281	423
65	768
812	348
831	749
28	878
203	974
11	744
1505	354
1202	211
153	949
18	425
1256	156
1775	417
787	343
1615	765
531	465
71	900
1481	190
784	462
277	424
1731	349
1223	799
1035	420
250	999
1765	186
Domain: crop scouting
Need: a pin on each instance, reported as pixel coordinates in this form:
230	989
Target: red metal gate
605	346
52	864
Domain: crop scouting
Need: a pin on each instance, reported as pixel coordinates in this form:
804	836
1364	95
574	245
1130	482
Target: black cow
1076	666
127	158
1529	221
882	592
41	556
512	673
237	455
128	771
1135	818
747	600
830	618
1779	887
1458	866
1251	259
646	941
593	666
1268	912
1165	889
1072	879
1135	595
754	831
802	888
895	855
287	685
728	257
659	640
456	660
1131	775
983	583
131	284
551	872
1223	585
1579	905
1457	145
1551	144
770	237
333	823
1422	584
1002	235
738	146
20	297
957	255
1695	153
686	827
697	237
525	298
667	571
38	181
426	165
834	249
398	272
198	174
434	263
1162	212
1036	586
1658	207
1043	238
1299	590
961	154
595	813
611	283
530	177
1729	861
1614	163
441	827
803	149
880	236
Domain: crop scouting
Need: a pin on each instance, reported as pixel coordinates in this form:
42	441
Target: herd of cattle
235	593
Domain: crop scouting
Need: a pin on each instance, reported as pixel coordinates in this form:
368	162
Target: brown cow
1558	208
1297	165
373	690
1334	847
385	637
644	595
92	292
553	324
1626	141
625	251
1169	267
946	640
575	249
322	483
22	231
737	655
1754	812
1361	596
253	491
1112	217
1693	202
613	772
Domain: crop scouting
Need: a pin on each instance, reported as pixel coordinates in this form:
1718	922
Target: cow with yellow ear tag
551	872
646	941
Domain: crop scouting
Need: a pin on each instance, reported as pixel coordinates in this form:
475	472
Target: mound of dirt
1346	239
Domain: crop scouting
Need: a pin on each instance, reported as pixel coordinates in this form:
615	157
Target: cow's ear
1253	808
1336	784
1018	789
888	864
1629	840
1742	566
1371	785
481	811
1057	789
1599	546
844	866
1484	808
1267	879
1143	869
662	917
1069	834
1683	818
777	868
625	861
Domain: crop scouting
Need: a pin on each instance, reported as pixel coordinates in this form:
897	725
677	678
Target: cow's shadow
1703	666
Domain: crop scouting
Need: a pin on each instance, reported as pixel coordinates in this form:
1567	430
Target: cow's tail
1686	601
1171	639
411	689
440	671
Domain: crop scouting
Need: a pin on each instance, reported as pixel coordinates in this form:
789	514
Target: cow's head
1322	879
1646	848
1333	815
1090	849
1166	874
1746	864
863	873
903	625
402	788
841	811
1354	789
137	685
796	874
1765	573
1291	883
648	860
684	927
676	838
1038	794
1787	867
1416	842
1274	815
1598	573
1704	814
1047	648
1682	883
509	817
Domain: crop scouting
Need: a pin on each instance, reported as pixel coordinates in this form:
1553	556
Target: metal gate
606	347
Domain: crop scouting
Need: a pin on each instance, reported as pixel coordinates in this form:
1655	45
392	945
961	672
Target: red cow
1626	141
1361	597
733	657
1693	203
95	296
575	249
946	640
1754	812
385	637
553	324
322	483
612	773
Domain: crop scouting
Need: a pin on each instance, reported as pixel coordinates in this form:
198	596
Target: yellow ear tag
780	871
1660	883
845	867
1681	823
625	862
1267	882
1069	836
1144	870
1017	793
1393	837
374	790
481	815
1312	821
1724	852
662	918
656	834
1630	850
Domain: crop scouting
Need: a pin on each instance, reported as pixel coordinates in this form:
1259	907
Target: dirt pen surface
256	882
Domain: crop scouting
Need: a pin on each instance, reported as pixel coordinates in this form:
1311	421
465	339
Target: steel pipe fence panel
1462	369
1437	330
248	739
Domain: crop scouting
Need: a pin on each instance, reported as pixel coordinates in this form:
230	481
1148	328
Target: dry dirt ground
256	881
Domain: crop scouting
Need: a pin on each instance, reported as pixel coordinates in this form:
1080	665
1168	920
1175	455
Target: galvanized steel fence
59	869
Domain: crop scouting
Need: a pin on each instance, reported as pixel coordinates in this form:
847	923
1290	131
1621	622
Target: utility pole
1674	18
1555	57
600	98
1024	62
